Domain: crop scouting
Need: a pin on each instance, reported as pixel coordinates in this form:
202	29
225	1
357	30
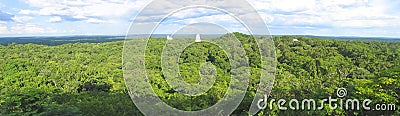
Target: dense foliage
87	78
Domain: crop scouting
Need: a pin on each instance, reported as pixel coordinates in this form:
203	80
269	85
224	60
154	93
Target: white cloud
82	9
3	29
282	5
27	12
25	29
365	23
221	18
286	15
332	13
292	5
69	31
93	20
22	19
55	19
304	13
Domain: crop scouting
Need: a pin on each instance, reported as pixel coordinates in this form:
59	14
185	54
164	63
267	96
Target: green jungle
87	78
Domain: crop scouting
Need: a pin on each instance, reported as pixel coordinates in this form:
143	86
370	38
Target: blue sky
113	17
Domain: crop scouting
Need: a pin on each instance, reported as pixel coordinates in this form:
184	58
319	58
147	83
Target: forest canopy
87	78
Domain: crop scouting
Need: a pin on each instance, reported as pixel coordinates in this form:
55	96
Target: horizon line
120	35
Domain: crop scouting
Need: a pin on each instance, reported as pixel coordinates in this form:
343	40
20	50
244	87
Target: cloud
291	5
94	20
196	14
3	29
91	11
328	13
54	19
25	29
69	31
291	16
6	16
27	12
22	19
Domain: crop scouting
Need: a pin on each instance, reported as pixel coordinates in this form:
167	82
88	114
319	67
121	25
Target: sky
366	18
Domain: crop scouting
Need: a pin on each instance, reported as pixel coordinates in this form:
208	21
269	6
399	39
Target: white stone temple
198	39
169	38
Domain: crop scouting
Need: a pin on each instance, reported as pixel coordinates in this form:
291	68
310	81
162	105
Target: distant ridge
347	38
59	40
